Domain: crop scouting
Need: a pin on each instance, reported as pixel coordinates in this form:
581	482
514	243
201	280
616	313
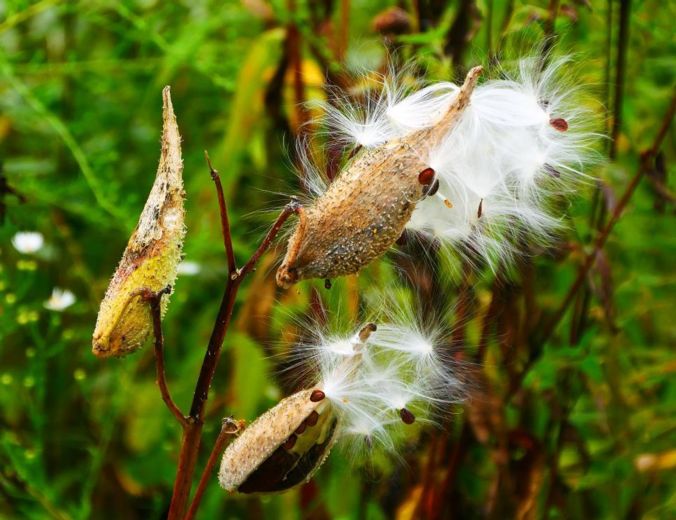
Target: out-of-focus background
582	425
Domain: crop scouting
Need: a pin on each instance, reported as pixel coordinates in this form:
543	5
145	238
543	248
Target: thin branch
292	207
225	224
154	299
622	44
229	427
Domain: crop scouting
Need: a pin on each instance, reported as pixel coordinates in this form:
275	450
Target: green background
582	426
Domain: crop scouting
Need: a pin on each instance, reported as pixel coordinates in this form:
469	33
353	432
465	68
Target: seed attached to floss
426	176
317	395
559	124
407	416
150	261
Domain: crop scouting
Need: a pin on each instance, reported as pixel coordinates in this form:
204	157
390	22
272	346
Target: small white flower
28	242
188	268
60	300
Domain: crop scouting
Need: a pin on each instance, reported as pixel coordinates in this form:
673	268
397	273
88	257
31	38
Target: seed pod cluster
152	255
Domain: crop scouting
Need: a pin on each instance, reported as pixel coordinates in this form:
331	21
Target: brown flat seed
290	442
559	124
406	416
480	211
432	190
426	176
312	419
301	428
317	396
448	204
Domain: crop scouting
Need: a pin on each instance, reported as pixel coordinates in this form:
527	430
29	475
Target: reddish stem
192	432
154	299
225	224
228	428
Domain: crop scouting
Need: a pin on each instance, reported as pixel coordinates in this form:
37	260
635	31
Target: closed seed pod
152	255
364	211
283	447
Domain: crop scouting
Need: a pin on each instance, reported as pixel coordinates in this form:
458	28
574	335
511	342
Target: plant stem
228	428
155	299
192	431
225	224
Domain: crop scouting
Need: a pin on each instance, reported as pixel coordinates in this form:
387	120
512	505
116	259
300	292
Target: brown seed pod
282	448
364	211
152	255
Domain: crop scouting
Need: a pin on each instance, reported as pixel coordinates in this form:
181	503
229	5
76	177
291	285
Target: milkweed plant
482	168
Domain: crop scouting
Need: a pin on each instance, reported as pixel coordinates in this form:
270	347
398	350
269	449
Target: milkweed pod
364	211
283	447
150	261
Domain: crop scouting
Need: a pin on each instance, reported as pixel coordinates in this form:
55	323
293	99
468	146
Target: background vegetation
579	423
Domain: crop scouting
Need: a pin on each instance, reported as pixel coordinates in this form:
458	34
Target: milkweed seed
312	418
406	416
317	395
426	177
559	124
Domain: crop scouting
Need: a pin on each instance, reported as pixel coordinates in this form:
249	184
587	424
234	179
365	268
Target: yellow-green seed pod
283	447
153	253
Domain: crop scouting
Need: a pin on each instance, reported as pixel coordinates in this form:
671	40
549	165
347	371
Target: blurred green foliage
587	432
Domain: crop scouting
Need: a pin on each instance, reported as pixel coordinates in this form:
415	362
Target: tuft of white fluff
502	165
370	381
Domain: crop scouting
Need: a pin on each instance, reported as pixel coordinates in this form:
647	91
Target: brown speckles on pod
407	416
426	177
559	124
317	395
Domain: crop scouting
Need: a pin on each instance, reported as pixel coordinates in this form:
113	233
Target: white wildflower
60	300
28	242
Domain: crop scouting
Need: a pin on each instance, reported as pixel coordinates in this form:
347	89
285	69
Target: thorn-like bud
150	261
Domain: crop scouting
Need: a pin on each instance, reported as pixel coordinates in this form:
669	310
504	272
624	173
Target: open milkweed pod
283	447
151	259
482	169
368	386
364	211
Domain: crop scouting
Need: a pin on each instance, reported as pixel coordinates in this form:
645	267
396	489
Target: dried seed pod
150	261
282	448
364	211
